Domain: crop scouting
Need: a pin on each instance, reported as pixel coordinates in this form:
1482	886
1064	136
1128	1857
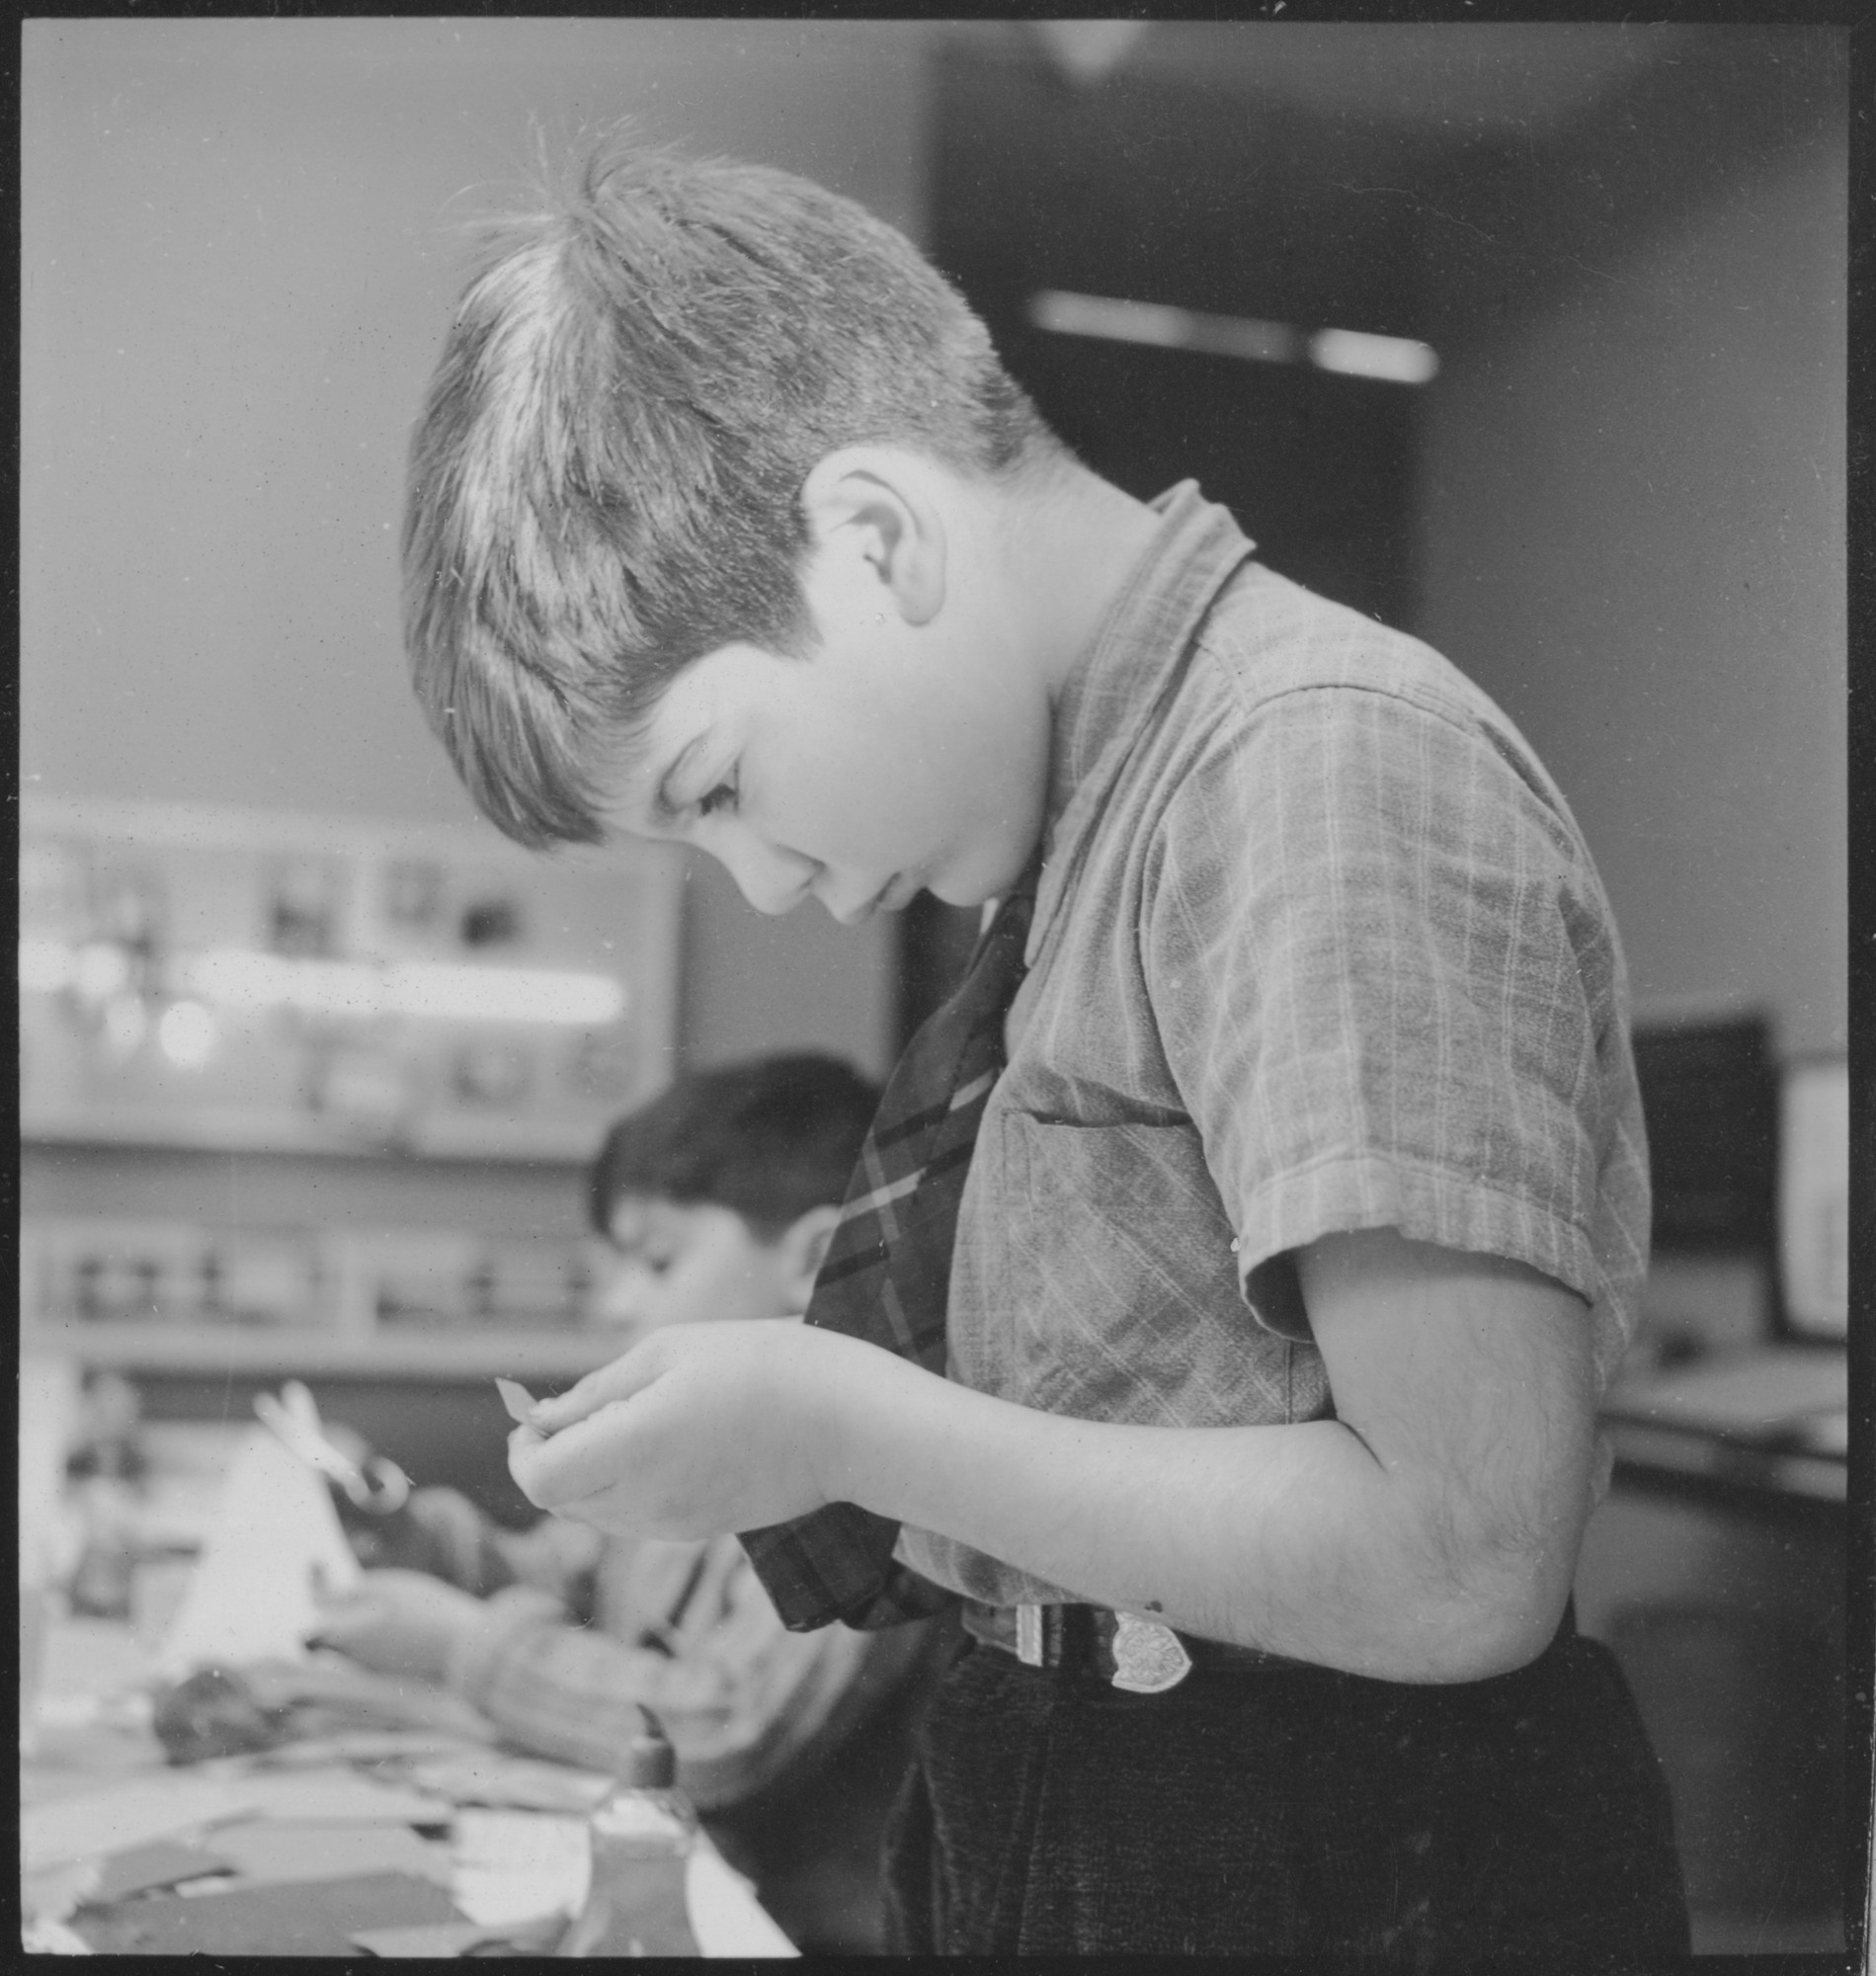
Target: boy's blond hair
605	477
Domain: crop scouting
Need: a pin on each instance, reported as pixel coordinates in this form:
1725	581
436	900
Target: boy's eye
723	797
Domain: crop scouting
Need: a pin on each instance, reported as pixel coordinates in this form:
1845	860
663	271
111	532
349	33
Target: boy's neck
1078	538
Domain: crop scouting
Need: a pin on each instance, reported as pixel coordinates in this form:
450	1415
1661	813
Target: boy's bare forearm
1427	1533
1289	1538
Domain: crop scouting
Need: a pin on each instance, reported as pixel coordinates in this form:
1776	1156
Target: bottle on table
642	1833
104	1578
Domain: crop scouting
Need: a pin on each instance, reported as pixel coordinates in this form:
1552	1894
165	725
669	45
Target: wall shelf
293	1134
269	982
478	1353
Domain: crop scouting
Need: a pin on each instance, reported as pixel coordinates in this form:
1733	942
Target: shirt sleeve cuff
476	1657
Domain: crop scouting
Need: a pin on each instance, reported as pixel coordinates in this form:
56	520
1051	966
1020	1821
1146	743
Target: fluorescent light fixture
1352	353
436	989
1396	359
235	979
186	1034
505	994
1118	321
232	978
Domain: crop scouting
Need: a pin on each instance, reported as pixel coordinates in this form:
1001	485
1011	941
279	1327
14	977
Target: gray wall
238	265
1632	508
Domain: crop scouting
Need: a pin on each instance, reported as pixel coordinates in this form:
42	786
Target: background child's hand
696	1431
401	1622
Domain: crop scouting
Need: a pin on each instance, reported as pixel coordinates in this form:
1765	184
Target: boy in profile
718	1198
1219	1313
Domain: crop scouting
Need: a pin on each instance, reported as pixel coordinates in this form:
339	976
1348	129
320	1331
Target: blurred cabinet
1725	1605
343	1022
1167	197
248	980
1155	201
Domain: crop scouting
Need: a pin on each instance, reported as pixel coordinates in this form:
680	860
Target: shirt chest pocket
1109	1284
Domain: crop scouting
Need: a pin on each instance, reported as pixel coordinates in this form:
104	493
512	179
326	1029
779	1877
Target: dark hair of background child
771	1137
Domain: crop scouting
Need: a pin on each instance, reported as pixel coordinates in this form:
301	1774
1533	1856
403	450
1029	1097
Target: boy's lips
890	897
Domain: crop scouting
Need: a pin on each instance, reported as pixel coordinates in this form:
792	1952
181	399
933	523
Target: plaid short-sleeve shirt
1318	947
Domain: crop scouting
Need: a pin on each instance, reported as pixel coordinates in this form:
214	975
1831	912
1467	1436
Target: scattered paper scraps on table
297	1917
42	1934
520	1784
366	1747
88	1823
56	1893
336	1795
512	1866
272	1851
724	1916
464	1938
165	1863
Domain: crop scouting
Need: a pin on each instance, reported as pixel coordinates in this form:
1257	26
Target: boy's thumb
557	1410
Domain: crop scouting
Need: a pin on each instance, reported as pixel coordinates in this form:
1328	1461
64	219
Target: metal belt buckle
1148	1656
1029	1635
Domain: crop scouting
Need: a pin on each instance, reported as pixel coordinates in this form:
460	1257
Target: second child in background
718	1198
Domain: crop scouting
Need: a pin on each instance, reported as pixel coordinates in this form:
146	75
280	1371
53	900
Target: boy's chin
974	897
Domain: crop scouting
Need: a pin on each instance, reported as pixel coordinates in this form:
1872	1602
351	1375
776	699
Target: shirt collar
1139	649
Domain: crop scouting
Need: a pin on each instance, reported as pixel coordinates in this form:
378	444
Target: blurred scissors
294	1419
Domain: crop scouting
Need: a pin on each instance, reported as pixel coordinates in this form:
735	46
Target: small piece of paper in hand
516	1397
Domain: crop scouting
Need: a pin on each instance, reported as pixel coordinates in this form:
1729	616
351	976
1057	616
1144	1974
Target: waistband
1146	1656
1141	1655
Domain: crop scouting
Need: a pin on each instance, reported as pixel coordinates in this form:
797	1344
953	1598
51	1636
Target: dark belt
1141	1655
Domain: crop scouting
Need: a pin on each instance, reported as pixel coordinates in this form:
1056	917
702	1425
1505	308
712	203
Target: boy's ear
876	503
804	1248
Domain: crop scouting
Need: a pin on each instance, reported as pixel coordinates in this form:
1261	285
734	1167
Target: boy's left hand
401	1622
694	1432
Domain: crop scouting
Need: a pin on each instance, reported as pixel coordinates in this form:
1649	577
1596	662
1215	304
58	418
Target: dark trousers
1303	1812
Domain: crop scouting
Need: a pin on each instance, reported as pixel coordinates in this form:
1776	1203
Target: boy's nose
772	880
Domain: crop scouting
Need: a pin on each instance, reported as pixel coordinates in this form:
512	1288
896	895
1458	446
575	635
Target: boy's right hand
585	1396
697	1430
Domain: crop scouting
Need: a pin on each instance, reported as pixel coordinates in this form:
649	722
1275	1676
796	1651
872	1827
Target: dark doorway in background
1154	192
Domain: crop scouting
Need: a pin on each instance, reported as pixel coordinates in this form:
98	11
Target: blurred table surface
1770	1421
339	1817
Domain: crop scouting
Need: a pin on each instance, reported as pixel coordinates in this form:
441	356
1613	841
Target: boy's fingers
582	1459
597	1511
584	1397
535	1481
616	1381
